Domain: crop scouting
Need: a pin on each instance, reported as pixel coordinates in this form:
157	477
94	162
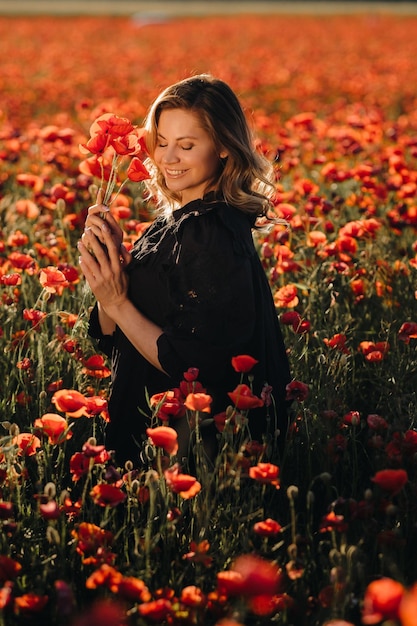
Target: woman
192	293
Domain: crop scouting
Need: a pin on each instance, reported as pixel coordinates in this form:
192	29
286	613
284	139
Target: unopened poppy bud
14	430
292	492
325	477
50	490
368	495
292	551
128	466
310	498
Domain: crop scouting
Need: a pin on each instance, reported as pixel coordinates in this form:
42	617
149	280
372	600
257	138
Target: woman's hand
103	266
98	214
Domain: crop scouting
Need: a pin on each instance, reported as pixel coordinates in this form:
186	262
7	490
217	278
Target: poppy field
322	533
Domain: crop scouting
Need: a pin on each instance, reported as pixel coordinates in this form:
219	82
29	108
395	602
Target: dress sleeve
105	342
212	296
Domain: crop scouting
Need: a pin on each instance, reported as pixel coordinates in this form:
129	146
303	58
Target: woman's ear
223	154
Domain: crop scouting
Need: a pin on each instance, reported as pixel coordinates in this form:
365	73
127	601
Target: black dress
198	276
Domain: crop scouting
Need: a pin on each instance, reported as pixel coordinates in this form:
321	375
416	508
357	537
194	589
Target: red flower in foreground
55	427
107	495
408	607
167	404
90	538
382	601
250	576
198	402
286	297
408	331
164	437
296	390
137	171
265	473
9	568
243	398
267	528
184	484
102	613
29	604
391	480
70	402
53	280
27	444
243	363
156	611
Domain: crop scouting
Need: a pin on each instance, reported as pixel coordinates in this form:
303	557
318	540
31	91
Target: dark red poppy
243	398
243	363
391	480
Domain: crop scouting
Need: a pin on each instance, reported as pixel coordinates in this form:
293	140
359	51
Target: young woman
192	293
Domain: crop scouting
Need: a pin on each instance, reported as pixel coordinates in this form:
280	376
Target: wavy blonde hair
245	177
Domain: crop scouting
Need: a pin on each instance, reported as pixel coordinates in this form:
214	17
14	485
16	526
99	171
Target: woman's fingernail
105	228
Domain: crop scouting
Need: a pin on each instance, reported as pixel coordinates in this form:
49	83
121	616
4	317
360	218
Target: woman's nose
170	155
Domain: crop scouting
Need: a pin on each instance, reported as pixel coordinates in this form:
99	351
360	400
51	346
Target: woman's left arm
103	269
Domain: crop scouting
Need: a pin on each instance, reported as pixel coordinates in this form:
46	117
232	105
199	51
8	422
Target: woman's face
185	154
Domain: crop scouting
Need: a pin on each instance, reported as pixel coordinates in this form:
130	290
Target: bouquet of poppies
114	139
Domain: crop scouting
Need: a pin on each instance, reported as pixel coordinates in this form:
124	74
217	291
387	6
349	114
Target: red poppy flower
79	465
296	390
168	405
338	341
6	595
408	331
250	576
184	484
286	297
156	610
69	401
102	613
53	280
107	495
90	538
243	398
198	553
164	437
391	480
11	280
27	444
9	568
408	607
95	405
352	418
95	366
55	427
132	589
6	510
136	171
34	316
192	596
29	604
376	422
23	262
382	601
331	522
198	402
191	374
104	576
243	363
49	510
266	473
267	528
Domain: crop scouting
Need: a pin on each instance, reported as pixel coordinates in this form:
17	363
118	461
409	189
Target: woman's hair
245	177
